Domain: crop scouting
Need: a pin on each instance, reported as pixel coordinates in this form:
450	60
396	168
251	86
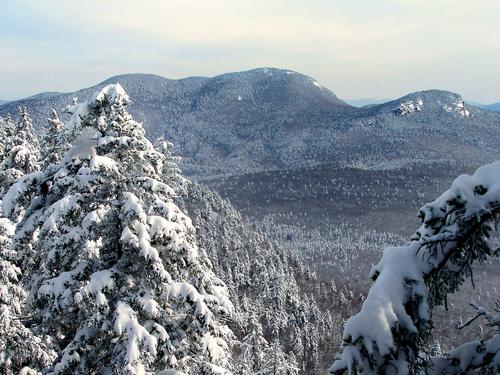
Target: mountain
495	107
365	101
273	119
3	102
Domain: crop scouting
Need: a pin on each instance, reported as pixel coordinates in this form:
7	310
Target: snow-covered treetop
113	94
19	153
395	319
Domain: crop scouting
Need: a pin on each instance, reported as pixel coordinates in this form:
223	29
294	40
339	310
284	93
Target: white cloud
394	42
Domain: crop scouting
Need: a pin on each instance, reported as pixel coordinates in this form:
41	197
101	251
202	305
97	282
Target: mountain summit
430	100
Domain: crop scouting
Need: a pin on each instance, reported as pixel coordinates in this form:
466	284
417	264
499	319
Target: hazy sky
357	48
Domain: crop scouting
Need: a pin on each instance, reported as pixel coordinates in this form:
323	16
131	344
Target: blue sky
357	48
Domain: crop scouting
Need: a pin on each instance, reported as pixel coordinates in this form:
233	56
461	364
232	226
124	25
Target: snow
58	287
83	146
17	190
171	372
6	227
384	305
99	281
98	163
162	229
408	107
77	112
92	218
239	98
122	140
132	206
138	338
158	187
114	93
149	306
493	346
316	84
84	282
58	209
216	370
400	273
140	240
467	356
182	290
458	106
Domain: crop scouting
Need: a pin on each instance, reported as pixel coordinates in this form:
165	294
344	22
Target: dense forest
113	261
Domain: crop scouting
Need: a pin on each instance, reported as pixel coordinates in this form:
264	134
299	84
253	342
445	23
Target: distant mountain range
365	101
3	101
273	119
495	107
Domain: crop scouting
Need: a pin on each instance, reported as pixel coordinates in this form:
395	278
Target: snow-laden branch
386	336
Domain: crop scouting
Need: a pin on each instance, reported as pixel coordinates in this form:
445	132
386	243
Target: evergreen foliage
389	335
19	149
115	275
21	351
54	142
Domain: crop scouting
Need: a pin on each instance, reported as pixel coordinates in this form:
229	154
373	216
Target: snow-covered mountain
428	102
271	119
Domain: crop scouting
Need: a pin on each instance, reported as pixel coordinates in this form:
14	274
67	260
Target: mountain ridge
272	119
495	107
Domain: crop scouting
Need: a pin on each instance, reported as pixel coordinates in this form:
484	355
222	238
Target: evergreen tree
277	363
264	280
118	281
21	148
254	348
54	142
21	351
389	335
171	173
7	128
20	151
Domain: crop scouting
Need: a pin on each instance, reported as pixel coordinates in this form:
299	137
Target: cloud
391	44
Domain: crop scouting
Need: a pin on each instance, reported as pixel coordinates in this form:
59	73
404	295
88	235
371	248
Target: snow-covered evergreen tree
20	151
21	148
171	172
7	128
117	278
21	351
254	348
54	142
390	332
278	363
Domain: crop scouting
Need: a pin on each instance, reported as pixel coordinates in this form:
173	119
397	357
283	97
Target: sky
357	48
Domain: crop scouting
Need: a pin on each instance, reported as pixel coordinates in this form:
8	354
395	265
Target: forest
112	261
